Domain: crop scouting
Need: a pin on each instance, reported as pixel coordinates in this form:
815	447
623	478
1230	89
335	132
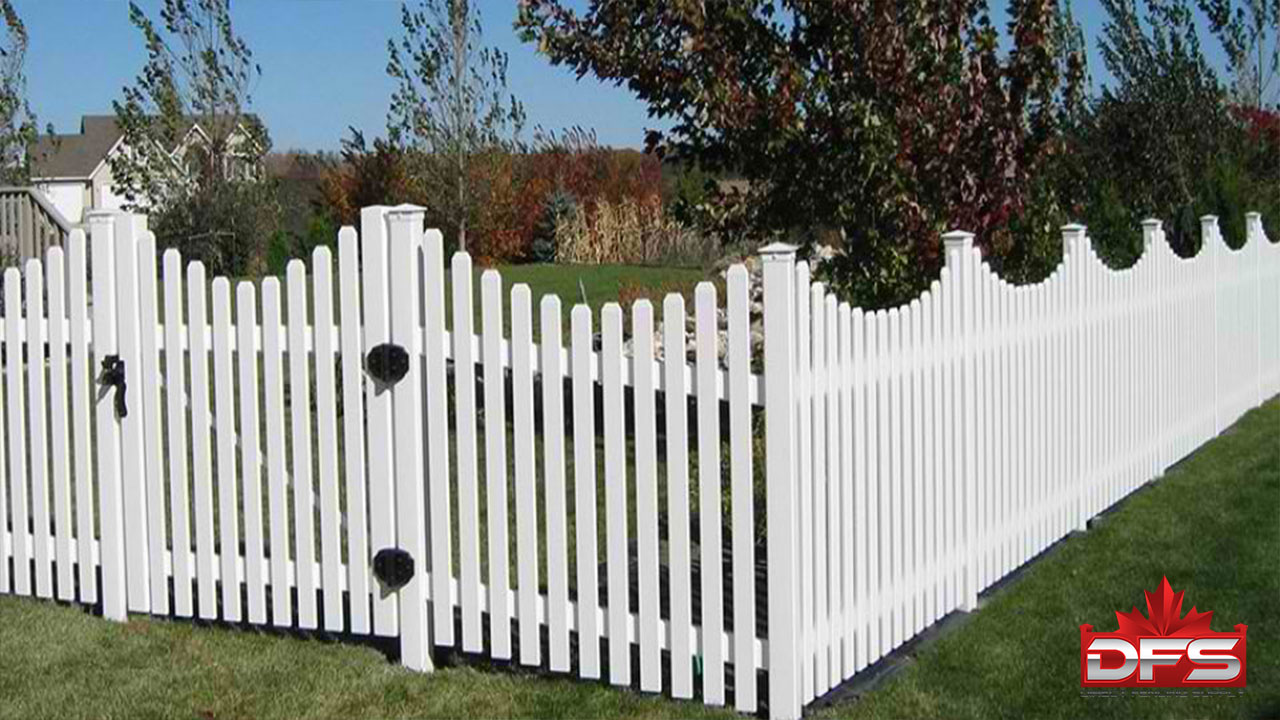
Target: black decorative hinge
393	567
387	363
112	375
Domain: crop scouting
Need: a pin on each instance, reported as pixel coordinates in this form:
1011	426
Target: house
74	171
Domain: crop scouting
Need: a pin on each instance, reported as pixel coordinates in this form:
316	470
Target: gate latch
112	375
393	567
387	363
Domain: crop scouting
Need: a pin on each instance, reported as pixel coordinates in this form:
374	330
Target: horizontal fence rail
590	493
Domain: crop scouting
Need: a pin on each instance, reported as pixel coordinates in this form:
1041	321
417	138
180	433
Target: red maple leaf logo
1143	650
1164	616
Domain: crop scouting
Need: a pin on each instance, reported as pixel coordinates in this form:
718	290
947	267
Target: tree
1153	141
17	123
451	106
213	200
1249	31
878	122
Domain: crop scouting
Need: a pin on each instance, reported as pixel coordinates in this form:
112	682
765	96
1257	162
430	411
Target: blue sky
324	67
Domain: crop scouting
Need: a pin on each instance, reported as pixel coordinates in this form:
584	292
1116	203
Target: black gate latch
113	375
393	567
387	363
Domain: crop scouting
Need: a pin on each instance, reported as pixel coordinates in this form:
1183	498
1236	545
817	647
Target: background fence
753	499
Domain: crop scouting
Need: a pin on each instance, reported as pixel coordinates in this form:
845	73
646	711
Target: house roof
78	156
75	156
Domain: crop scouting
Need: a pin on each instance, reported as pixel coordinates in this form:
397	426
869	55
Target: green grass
1211	525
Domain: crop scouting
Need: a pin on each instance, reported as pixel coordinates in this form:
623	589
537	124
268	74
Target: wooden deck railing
29	224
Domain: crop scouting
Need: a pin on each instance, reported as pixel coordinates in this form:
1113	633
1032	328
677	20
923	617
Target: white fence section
567	495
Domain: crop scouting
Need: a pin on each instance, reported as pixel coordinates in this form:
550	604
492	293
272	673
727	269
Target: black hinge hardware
112	375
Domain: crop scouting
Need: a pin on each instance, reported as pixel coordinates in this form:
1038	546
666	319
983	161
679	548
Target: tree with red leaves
879	122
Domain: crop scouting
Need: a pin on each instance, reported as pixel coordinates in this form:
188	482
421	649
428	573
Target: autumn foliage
514	187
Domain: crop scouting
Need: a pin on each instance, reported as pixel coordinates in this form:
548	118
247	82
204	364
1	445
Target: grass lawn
1212	525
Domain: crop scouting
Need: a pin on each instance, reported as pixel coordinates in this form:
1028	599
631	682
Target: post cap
1153	223
778	251
1073	228
958	238
1208	219
1253	216
406	210
98	216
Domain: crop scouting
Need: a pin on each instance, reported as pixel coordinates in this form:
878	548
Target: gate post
780	479
406	223
133	468
102	231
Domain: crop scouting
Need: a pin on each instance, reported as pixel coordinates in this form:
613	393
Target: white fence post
781	488
1073	239
961	262
1254	239
1209	241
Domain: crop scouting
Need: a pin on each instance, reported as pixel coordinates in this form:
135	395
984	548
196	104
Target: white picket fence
912	457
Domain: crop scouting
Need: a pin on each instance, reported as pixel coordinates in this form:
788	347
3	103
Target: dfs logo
1162	649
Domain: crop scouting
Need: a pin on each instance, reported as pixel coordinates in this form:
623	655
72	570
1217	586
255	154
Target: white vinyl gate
375	453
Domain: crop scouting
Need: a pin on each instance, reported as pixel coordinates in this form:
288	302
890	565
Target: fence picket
8	539
615	469
175	383
77	298
849	504
436	427
861	498
553	477
835	492
228	520
495	464
153	423
677	447
709	530
273	342
646	494
353	427
304	507
326	410
741	480
525	475
817	529
64	548
15	402
917	464
584	491
255	571
468	482
201	457
38	432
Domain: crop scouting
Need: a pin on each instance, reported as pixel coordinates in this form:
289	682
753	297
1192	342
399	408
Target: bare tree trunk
458	12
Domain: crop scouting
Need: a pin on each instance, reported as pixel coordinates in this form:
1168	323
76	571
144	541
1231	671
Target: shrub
630	232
